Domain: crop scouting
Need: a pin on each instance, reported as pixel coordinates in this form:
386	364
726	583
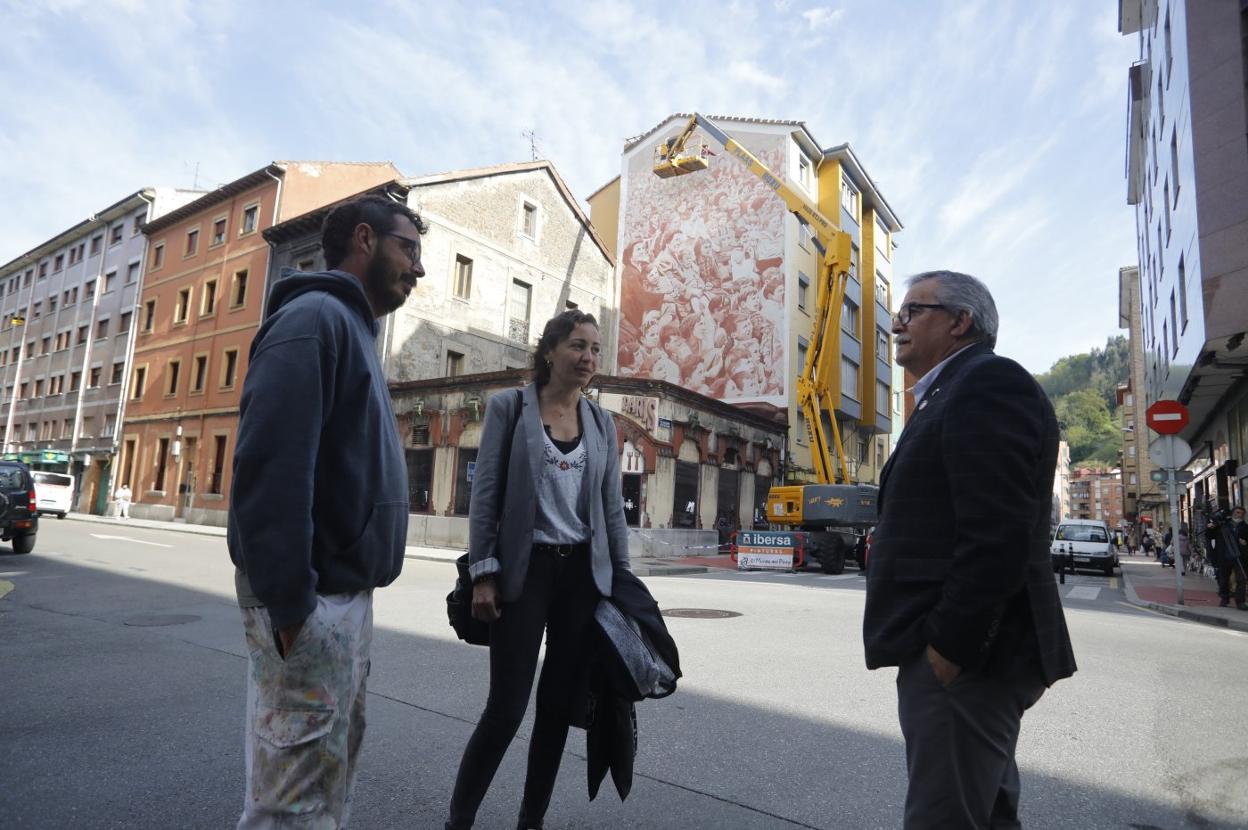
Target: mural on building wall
702	271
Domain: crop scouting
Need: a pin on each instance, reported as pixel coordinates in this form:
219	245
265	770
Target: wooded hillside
1083	389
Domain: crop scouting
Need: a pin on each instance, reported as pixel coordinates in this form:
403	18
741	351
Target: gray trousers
960	742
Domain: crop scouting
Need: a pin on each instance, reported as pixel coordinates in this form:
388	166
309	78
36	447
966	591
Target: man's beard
379	287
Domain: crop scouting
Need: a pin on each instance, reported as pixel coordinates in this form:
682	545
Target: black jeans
559	597
1225	570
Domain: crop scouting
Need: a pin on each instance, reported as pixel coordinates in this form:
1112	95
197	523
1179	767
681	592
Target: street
122	693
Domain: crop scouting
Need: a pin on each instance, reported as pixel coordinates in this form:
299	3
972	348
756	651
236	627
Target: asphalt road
122	675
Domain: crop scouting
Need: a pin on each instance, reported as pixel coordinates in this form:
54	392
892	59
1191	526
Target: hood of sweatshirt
291	284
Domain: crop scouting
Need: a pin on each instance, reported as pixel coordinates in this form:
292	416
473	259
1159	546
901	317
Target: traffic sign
1166	417
1181	476
1170	452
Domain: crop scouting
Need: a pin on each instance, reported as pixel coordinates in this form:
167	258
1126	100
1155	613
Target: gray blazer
501	514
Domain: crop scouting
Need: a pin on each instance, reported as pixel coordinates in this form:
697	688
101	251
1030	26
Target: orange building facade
200	308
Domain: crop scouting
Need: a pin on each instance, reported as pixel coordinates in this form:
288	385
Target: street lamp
16	320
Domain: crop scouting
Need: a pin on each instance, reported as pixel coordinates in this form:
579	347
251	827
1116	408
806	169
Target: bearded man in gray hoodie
318	512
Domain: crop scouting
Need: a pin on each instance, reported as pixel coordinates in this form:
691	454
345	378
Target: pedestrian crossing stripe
5	587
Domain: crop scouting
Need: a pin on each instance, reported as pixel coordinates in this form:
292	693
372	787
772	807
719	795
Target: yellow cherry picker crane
832	516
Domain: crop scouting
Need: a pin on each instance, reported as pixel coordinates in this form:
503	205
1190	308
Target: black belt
563	551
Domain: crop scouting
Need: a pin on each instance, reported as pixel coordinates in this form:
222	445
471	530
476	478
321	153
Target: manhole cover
161	619
700	613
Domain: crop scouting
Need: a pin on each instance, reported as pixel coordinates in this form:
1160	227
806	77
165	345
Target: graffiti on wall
702	270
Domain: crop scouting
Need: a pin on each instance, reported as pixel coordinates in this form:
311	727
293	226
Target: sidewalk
1151	586
642	566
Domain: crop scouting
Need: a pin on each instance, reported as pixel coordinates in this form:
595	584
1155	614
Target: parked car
54	493
1083	543
19	517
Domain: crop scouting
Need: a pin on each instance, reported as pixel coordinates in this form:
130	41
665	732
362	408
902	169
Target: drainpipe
86	353
17	378
127	366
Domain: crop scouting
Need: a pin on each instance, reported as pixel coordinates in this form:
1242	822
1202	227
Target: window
1167	211
158	255
137	227
849	197
217	475
800	437
251	216
881	290
419	480
238	292
463	489
73	256
149	315
101	329
882	398
218	231
133	273
110	426
182	309
454	364
75	380
208	302
200	376
803	283
518	322
849	317
110	282
229	369
46	345
308	264
36	310
127	464
685	495
882	346
39	388
22	390
97	242
116	233
162	458
803	171
1169	52
86	430
528	220
803	236
803	347
849	378
463	277
1174	163
1182	294
59	263
192	242
124	324
1174	322
119	369
93	379
140	381
174	370
52	305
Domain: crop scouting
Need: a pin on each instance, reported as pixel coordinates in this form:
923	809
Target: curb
1181	612
149	524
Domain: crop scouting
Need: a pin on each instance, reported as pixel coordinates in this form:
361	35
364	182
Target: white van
54	493
1083	543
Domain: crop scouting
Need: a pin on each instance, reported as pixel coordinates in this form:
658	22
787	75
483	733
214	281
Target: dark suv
19	517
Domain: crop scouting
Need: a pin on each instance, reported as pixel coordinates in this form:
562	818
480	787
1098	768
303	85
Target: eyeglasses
409	246
906	311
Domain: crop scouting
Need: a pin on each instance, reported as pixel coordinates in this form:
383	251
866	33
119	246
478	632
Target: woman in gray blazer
546	533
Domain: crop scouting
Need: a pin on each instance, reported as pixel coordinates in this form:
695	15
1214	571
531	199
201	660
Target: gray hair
962	292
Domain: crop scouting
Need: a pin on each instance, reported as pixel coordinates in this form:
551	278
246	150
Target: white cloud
822	17
749	72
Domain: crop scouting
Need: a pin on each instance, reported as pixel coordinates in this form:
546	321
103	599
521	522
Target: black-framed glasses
407	245
906	311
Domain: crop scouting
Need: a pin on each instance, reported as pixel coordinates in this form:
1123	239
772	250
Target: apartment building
67	309
1061	483
198	312
1096	493
1187	173
719	282
1142	496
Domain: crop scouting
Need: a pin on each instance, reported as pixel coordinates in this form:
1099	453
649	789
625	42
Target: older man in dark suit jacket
961	595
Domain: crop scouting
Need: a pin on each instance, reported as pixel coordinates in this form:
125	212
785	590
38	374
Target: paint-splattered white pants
305	715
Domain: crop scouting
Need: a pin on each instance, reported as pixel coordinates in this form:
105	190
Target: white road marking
1083	592
840	576
128	539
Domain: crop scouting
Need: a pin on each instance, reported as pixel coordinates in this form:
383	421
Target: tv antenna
532	137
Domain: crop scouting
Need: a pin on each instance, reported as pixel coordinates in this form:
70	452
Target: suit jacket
503	508
960	557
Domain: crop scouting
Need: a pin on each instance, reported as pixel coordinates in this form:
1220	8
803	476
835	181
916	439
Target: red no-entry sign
1166	417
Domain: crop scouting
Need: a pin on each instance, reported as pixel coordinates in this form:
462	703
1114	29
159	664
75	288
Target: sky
994	128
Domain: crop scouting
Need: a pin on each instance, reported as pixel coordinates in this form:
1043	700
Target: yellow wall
604	213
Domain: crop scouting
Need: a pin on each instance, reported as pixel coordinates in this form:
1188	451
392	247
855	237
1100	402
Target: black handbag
459	609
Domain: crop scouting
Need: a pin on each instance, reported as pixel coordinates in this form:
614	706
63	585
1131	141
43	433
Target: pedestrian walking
122	496
1230	556
960	593
318	512
546	535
